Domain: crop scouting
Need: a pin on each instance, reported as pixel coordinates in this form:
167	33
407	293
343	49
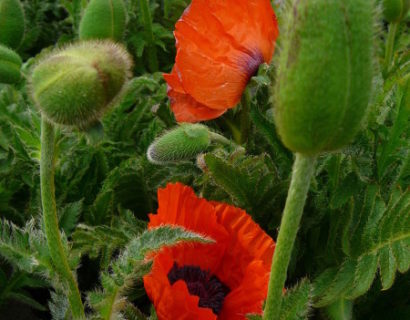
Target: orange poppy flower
220	45
225	280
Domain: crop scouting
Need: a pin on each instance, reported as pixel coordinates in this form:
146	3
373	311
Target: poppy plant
227	279
220	45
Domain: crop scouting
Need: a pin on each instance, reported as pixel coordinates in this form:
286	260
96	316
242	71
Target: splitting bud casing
325	72
10	64
181	143
103	19
11	23
75	85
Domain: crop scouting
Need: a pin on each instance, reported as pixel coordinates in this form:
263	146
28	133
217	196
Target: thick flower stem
50	219
302	173
390	45
245	122
152	50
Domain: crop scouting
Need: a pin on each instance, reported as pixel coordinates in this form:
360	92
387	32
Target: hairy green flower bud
181	143
11	23
324	73
103	19
73	86
10	64
395	10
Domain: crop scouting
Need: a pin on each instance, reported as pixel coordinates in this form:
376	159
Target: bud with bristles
10	64
73	86
395	10
325	72
182	143
11	23
103	19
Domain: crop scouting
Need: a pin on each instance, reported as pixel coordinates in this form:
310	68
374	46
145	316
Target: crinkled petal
186	108
220	45
247	243
178	205
172	302
249	295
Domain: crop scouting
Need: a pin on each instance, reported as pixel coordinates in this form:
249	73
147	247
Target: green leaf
69	216
251	183
380	240
131	265
296	302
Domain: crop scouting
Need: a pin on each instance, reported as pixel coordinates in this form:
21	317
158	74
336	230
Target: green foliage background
353	247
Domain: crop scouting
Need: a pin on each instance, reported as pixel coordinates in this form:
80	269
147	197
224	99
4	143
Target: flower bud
181	143
11	23
10	64
395	10
103	19
324	73
75	85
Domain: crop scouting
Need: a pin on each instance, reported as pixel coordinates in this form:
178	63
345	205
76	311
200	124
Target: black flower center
210	290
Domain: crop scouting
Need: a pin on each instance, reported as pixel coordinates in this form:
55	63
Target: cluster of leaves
355	226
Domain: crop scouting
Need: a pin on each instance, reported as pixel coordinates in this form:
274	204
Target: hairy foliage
353	241
130	266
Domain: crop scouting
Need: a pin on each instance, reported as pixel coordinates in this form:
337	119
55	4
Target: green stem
236	133
152	50
340	310
166	8
55	245
302	173
390	45
245	122
216	137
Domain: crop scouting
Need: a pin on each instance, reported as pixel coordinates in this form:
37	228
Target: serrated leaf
131	265
154	239
69	216
249	181
296	302
382	242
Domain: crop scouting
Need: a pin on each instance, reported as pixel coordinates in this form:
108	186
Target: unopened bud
395	10
103	19
182	143
325	72
10	64
75	85
11	23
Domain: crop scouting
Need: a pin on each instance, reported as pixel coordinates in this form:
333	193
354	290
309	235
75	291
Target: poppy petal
248	242
249	296
220	45
178	205
251	23
184	107
240	259
213	67
172	301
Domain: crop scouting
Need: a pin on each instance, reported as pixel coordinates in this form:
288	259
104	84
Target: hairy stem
55	245
340	310
390	45
302	173
245	122
152	50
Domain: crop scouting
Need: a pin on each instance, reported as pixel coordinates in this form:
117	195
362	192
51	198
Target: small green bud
395	10
103	19
10	64
325	72
11	23
181	143
75	85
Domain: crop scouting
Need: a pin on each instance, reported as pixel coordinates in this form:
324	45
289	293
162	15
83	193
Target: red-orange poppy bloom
225	280
220	45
